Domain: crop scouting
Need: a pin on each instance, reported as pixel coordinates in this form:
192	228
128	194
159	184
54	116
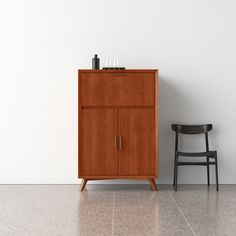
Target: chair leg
176	172
216	166
176	177
208	172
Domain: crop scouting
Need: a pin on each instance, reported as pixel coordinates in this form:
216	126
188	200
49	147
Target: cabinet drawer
117	89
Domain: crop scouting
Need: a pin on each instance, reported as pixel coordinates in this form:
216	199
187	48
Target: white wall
44	42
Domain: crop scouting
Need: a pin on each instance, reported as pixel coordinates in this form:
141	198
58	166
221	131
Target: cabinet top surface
117	71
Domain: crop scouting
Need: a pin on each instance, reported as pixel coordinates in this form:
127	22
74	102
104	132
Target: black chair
194	129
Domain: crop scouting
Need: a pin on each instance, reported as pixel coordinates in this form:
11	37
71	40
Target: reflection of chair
194	129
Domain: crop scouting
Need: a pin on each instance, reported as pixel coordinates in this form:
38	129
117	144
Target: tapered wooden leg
83	184
153	184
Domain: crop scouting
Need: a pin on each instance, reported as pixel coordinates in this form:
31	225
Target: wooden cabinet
118	125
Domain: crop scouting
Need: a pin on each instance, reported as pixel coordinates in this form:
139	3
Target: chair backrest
191	129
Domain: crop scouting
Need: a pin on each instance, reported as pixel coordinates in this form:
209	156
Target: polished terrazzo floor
28	210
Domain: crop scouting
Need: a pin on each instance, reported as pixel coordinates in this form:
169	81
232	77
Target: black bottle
95	63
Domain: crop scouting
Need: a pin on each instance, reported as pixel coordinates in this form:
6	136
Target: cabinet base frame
151	181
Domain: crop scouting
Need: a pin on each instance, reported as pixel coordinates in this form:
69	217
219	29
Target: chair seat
197	154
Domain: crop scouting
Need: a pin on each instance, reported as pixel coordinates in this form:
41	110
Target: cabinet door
99	155
136	128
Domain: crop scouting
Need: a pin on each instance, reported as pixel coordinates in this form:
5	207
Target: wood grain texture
99	156
118	89
136	127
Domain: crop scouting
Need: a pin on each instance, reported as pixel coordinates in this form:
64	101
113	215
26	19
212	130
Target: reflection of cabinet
118	125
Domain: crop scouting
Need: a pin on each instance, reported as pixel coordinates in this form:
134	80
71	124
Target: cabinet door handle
116	142
120	142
